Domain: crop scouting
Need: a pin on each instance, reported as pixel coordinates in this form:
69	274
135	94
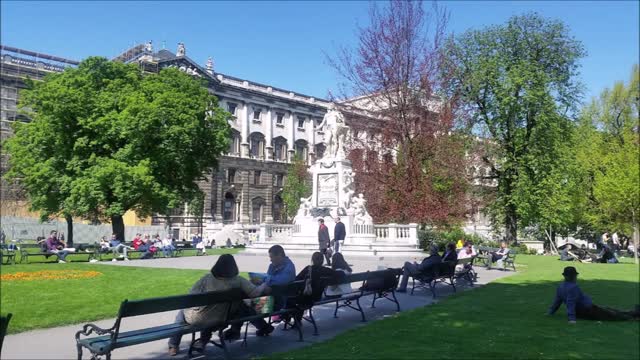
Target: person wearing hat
414	268
580	305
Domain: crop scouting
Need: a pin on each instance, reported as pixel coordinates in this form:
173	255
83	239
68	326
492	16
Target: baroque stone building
270	126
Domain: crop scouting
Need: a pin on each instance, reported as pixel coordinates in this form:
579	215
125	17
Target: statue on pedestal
360	214
336	132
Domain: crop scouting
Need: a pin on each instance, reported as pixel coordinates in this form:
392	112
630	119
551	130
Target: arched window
278	207
257	210
257	145
301	149
280	148
228	207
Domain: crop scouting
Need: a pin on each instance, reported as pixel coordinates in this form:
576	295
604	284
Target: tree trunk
117	226
636	236
69	219
511	225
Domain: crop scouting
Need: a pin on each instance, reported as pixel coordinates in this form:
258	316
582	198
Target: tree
297	186
520	81
408	160
609	155
105	139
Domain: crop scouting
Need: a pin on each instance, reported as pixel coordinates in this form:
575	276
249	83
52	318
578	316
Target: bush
441	238
522	249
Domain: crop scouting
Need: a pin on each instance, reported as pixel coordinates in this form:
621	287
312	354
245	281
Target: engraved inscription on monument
327	190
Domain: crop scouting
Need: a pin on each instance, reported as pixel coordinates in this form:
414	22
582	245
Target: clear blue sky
282	43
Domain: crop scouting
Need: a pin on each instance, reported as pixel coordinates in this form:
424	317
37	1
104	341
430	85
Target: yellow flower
49	275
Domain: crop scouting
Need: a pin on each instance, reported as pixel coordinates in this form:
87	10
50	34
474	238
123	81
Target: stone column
292	135
244	135
311	136
268	125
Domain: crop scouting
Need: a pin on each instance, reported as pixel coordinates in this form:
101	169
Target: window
228	207
234	145
280	119
232	107
231	176
301	149
257	146
256	115
256	177
301	123
279	180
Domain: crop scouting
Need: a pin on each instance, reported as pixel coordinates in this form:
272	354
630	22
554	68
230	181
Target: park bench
466	273
443	272
380	284
8	255
30	250
4	326
508	260
111	339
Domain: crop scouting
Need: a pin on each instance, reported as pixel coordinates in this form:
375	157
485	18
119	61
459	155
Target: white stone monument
333	191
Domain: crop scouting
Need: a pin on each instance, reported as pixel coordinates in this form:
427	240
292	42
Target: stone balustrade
396	232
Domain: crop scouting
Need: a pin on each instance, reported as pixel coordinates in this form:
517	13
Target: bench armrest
88	329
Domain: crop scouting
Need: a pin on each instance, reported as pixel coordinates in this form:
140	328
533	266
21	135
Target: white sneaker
121	256
93	260
87	250
61	262
114	259
126	259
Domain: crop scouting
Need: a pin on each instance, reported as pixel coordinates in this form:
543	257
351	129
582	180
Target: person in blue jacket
580	305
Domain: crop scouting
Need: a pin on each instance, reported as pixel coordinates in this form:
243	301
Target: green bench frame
443	272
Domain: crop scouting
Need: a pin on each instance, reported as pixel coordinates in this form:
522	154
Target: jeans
62	254
408	270
167	250
336	246
116	250
495	257
326	256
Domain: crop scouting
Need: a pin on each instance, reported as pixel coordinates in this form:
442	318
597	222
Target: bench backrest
157	305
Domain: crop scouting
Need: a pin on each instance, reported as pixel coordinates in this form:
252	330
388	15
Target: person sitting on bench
580	305
498	255
465	253
55	246
320	275
567	255
224	276
414	268
450	253
116	246
338	263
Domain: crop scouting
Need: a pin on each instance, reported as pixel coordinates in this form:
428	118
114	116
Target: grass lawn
47	303
504	319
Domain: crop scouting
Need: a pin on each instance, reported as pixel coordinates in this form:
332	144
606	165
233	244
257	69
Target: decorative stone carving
335	133
210	65
181	50
360	214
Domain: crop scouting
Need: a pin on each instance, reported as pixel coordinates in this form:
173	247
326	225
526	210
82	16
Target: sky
283	44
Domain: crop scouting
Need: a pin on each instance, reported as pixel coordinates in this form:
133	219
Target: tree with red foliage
409	161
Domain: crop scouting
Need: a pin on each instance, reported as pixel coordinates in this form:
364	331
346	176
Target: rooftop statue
181	50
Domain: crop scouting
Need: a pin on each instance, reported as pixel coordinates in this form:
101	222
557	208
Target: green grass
504	319
48	303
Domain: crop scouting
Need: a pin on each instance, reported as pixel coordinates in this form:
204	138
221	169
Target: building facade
270	126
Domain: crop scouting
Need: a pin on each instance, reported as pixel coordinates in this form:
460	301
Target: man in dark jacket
415	268
324	240
580	305
339	233
450	253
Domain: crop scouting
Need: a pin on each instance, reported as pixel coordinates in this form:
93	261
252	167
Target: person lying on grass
580	305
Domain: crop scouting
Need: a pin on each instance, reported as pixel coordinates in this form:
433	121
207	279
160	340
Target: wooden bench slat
156	305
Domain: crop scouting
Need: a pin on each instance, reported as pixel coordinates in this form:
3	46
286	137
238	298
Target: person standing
339	234
324	241
616	241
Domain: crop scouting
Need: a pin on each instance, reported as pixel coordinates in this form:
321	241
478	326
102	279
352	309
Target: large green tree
519	79
105	139
608	154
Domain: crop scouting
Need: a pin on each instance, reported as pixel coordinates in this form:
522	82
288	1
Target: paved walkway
59	343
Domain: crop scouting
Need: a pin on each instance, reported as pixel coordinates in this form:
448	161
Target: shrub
442	237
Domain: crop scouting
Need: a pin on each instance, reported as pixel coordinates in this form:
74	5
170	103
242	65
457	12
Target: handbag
308	289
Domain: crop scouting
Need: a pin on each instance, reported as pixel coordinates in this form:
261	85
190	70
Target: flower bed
49	275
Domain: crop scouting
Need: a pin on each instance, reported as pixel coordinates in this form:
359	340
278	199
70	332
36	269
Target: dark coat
339	232
323	237
429	261
452	256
